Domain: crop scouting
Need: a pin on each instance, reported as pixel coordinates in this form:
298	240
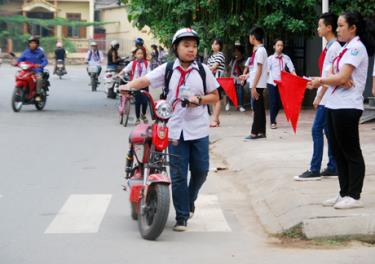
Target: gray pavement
75	150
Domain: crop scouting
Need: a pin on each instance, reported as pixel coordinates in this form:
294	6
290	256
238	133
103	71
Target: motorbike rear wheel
154	210
17	99
133	211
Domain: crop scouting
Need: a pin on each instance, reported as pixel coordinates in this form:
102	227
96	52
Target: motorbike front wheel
42	103
17	99
94	83
154	210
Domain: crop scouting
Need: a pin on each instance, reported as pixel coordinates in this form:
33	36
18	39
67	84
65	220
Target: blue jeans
184	155
318	127
239	90
275	102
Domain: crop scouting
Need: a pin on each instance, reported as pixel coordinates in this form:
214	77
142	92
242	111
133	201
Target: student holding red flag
345	105
326	29
257	79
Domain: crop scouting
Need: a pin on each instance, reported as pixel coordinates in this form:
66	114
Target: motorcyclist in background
94	56
113	59
60	54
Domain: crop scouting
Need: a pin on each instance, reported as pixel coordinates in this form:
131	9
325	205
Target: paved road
61	199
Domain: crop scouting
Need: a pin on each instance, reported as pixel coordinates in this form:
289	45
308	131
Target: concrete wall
123	30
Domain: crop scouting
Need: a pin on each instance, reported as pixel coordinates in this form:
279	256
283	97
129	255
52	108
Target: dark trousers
239	91
140	101
320	125
275	102
259	122
185	155
343	131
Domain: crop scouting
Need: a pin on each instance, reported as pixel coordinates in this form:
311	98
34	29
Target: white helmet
114	43
185	33
93	43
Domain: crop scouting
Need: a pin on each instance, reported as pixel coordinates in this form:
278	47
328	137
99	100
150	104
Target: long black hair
365	29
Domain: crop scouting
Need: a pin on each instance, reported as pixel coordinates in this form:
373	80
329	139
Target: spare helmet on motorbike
93	44
184	33
115	43
33	39
139	42
59	44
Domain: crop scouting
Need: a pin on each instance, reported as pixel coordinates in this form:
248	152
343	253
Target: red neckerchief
181	81
321	60
337	61
281	62
139	64
251	62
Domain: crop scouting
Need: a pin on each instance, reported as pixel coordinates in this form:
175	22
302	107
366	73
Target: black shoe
180	226
327	172
192	210
308	176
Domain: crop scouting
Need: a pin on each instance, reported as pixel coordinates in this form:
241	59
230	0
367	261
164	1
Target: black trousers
259	122
140	101
343	131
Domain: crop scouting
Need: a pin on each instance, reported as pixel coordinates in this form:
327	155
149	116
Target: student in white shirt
327	26
94	56
276	63
188	127
257	79
138	68
345	105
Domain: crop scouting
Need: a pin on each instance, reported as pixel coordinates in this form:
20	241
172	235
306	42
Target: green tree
228	20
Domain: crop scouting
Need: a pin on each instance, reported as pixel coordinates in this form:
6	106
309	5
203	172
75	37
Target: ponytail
365	29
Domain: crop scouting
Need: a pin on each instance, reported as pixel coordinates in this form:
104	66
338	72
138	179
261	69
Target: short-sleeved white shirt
193	122
259	58
333	49
136	75
373	71
349	98
276	65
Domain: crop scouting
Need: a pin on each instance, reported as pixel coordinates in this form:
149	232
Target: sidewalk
267	167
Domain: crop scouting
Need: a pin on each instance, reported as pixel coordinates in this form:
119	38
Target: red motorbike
25	91
146	170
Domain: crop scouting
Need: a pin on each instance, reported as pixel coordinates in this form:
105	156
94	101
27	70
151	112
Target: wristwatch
199	100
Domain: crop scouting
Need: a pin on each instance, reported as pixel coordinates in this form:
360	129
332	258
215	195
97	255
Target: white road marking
208	216
80	214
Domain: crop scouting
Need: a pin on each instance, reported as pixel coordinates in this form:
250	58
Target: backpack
134	64
168	75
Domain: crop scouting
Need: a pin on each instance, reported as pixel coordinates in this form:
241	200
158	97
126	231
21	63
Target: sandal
215	123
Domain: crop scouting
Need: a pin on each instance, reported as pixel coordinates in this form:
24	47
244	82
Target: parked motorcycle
93	71
146	171
60	68
25	91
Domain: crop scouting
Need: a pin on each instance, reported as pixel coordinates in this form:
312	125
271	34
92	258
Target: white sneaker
348	203
242	109
332	201
227	107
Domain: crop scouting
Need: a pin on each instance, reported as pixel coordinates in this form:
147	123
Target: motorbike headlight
163	109
24	66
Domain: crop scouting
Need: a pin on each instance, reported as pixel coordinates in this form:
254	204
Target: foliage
228	20
365	7
49	44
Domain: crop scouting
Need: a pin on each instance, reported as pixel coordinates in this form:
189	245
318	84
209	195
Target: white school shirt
259	58
274	67
333	49
96	57
193	122
136	75
349	98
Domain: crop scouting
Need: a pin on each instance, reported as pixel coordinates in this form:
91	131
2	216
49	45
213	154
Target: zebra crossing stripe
80	214
208	216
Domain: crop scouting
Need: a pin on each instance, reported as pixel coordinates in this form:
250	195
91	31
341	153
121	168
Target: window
73	32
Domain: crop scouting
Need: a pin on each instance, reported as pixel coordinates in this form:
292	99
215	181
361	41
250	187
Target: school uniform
344	109
276	64
259	56
329	53
236	70
188	133
138	69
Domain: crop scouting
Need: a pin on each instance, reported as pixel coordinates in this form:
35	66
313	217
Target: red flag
292	90
228	86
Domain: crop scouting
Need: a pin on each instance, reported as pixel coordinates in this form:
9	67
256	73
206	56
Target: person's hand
194	101
348	84
244	77
317	101
254	93
314	83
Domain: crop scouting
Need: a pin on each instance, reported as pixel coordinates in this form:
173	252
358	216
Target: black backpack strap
167	79
202	73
